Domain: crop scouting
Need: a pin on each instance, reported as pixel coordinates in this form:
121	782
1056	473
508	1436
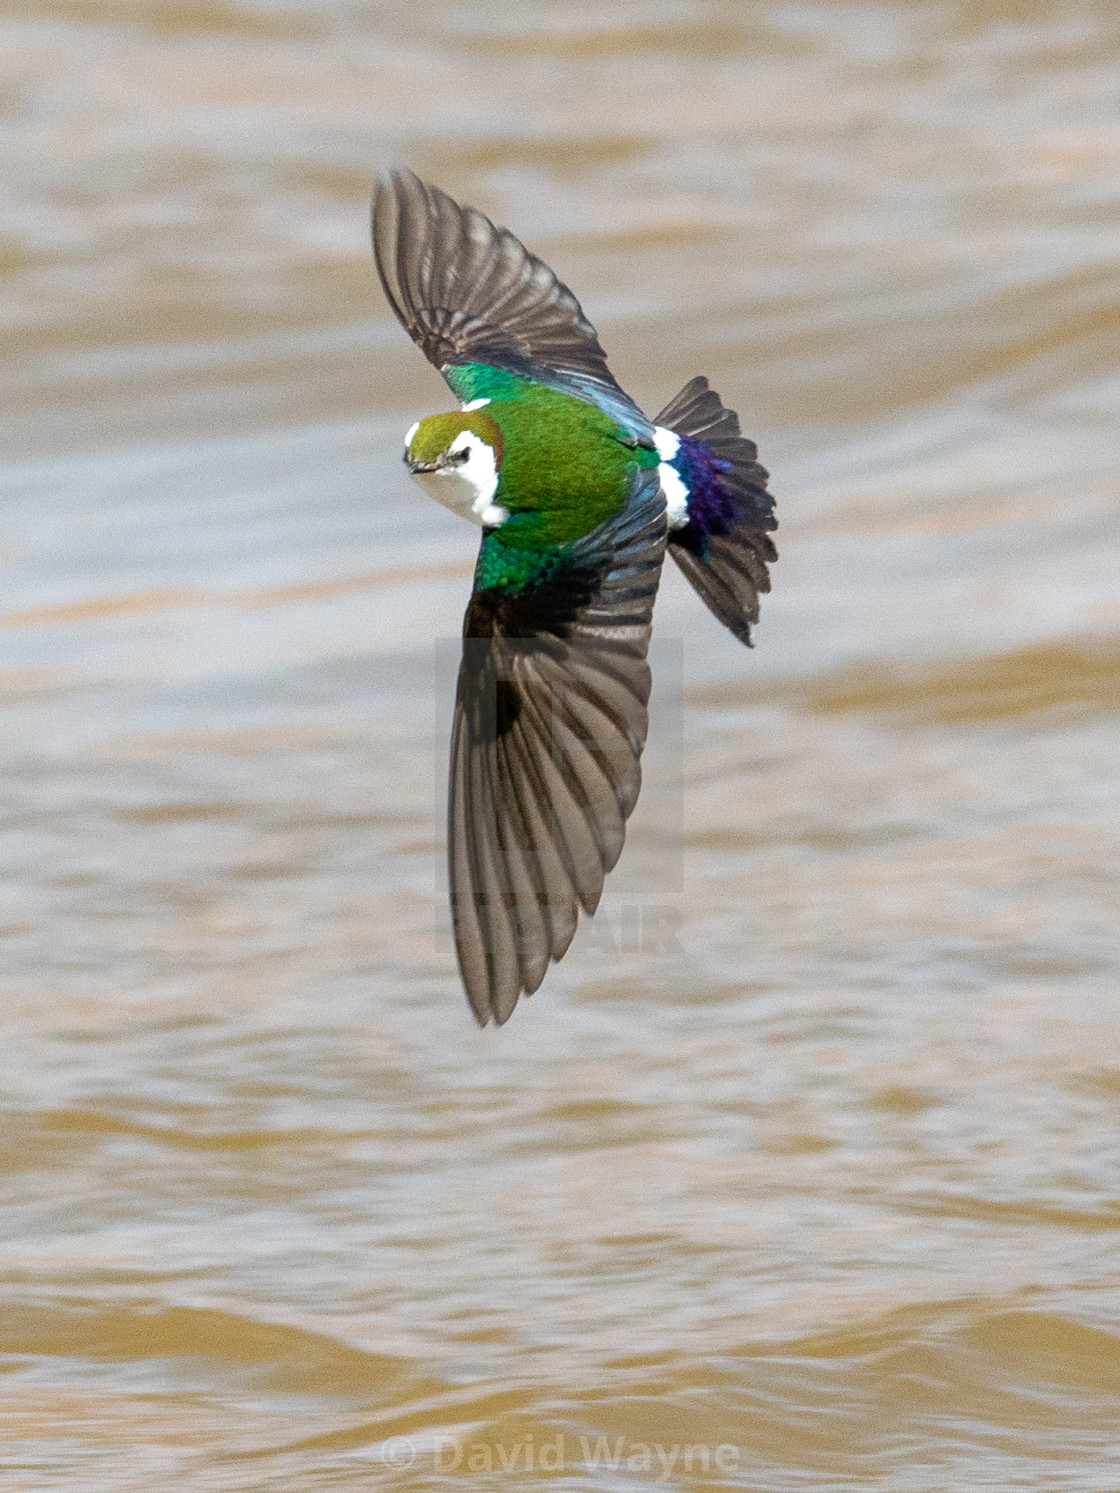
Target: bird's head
456	458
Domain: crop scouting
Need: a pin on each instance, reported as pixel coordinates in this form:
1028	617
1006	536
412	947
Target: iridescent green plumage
564	472
566	468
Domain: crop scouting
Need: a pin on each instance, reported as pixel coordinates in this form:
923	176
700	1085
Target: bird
578	495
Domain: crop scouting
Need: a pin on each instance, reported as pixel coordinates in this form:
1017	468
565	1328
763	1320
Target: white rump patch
668	443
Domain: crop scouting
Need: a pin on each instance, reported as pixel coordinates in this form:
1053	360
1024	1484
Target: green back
567	467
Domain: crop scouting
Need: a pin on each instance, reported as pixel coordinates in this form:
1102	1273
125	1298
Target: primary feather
468	293
550	722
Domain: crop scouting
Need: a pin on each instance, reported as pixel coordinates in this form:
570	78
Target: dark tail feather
725	547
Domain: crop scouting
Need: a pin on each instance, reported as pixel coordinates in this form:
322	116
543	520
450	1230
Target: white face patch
410	435
468	487
668	443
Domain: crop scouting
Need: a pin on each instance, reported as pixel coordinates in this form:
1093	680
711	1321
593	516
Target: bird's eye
459	457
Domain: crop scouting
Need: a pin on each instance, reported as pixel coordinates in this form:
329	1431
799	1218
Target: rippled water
823	1185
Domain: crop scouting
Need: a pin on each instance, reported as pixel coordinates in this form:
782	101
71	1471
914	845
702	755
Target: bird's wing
469	293
550	722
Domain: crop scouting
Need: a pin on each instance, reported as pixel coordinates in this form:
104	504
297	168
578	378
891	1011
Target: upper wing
550	722
467	292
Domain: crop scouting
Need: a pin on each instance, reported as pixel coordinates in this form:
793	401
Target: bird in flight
578	495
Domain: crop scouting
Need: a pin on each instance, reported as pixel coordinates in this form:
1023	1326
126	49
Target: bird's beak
420	466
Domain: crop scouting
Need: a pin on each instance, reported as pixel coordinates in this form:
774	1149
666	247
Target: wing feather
550	723
468	292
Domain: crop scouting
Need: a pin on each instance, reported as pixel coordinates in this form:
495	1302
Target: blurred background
834	1182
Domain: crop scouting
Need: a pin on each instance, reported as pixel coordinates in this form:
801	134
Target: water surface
828	1176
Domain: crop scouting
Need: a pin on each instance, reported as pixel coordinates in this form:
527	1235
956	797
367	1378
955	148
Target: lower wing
550	722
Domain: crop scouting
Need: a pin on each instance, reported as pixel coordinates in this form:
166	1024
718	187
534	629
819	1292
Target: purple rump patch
713	507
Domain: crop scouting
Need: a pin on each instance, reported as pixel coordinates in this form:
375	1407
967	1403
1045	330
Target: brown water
827	1190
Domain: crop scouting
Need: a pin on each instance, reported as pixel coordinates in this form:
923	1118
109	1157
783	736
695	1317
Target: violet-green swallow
578	495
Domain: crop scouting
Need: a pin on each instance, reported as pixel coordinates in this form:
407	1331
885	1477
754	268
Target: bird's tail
724	545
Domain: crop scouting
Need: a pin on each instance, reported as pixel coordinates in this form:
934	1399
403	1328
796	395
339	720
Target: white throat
468	489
